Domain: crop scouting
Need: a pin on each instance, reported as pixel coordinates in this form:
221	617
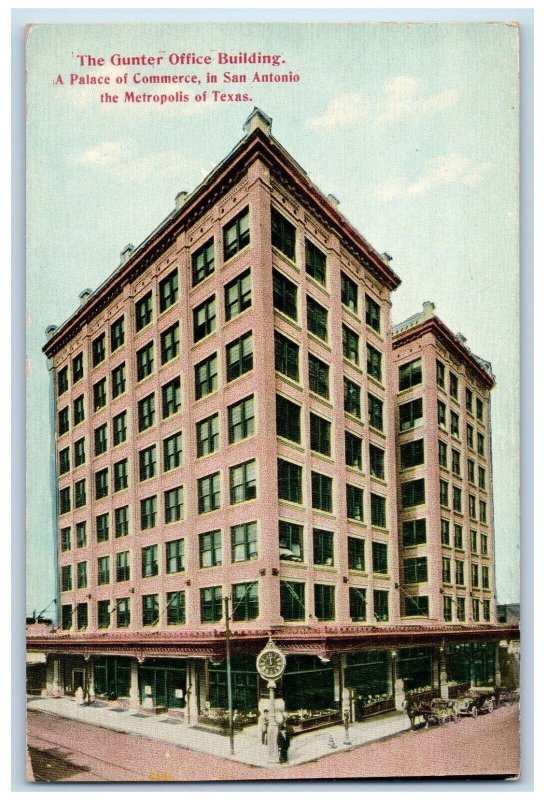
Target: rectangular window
208	490
117	334
103	613
122	566
245	601
353	451
211	604
480	409
482	478
374	363
322	492
445	532
414	532
320	435
121	521
174	507
469	436
119	424
62	381
372	313
241	420
471	471
175	556
284	295
484	544
486	610
99	394
292	601
175	608
143	311
244	542
79	410
356	554
82	616
454	424
101	484
358	604
286	356
324	602
171	394
121	475
242	482
150	561
123	614
77	368
453	385
66	542
413	493
469	400
82	575
352	398
148	512
64	500
349	293
410	414
446	572
288	419
118	380
147	460
461	609
315	262
443	493
239	356
440	374
443	454
81	534
146	412
456	498
202	262
64	421
236	234
458	537
351	345
472	506
415	570
172	452
290	481
380	558
238	295
103	527
485	577
441	414
66	578
290	538
474	576
204	319
208	435
99	349
322	547
210	549
316	319
378	511
150	609
380	605
410	374
318	376
475	610
282	234
103	570
482	511
64	460
375	406
480	444
168	291
412	453
459	573
206	376
376	461
79	452
354	502
170	343
416	606
473	540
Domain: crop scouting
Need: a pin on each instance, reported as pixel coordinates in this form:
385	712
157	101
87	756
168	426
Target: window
380	605
242	482
208	490
475	610
172	397
320	435
482	511
292	601
315	262
82	575
206	376
170	343
352	398
64	500
486	610
172	452
238	295
356	554
150	563
443	493
103	613
375	412
64	460
174	556
174	505
354	502
245	601
469	436
414	532
118	380
472	506
286	356
480	444
324	602
445	532
316	319
446	573
103	527
443	454
474	576
236	234
240	356
480	409
282	234
79	452
244	542
81	534
440	374
62	381
121	517
103	570
469	400
353	451
121	475
66	578
349	293
441	414
204	319
290	539
322	547
351	345
119	424
410	374
376	461
378	511
484	544
101	483
123	615
453	385
117	334
374	363
241	420
456	468
143	311
459	573
290	481
412	453
122	566
380	558
413	493
148	512
358	605
99	349
150	609
471	471
322	492
79	410
410	414
318	376
458	537
66	543
208	435
202	262
473	539
77	368
456	498
288	419
372	313
211	604
482	482
147	462
99	394
64	421
146	412
284	295
82	617
454	424
168	290
485	577
461	609
416	606
415	570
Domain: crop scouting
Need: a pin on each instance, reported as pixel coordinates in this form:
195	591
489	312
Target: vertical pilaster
134	697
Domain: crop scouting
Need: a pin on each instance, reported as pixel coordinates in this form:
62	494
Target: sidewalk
248	748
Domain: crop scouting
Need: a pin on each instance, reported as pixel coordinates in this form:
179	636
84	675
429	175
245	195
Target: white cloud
402	97
452	168
121	159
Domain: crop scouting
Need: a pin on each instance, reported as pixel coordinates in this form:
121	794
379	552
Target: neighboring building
226	410
509	613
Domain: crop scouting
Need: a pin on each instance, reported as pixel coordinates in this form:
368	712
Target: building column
53	687
90	677
443	677
398	688
191	693
497	665
134	696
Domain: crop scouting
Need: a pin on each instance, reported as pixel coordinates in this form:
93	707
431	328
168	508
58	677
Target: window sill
376	383
289	320
315	338
231	259
321	399
316	283
290	381
352	364
286	259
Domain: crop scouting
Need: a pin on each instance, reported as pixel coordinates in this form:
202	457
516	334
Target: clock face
271	664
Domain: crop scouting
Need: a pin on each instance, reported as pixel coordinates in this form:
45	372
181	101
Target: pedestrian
283	741
265	728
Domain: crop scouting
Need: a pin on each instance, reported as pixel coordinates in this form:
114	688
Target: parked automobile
434	712
476	701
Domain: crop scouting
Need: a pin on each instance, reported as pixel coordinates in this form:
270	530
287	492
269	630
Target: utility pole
229	683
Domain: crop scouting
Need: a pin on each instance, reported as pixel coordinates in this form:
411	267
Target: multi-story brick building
227	426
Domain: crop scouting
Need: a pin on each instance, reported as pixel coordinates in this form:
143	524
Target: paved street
66	750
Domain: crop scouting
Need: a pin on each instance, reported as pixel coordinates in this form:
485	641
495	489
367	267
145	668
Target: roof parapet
257	119
126	254
84	296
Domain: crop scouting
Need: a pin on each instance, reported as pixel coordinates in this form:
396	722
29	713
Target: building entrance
167	680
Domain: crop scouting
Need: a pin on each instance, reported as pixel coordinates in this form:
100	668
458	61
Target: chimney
50	330
333	200
84	296
257	119
180	199
125	254
428	309
461	338
386	257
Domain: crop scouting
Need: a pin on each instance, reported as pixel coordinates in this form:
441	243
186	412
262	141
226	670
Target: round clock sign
271	662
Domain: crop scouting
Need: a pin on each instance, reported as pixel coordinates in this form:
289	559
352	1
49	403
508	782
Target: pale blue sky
412	127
